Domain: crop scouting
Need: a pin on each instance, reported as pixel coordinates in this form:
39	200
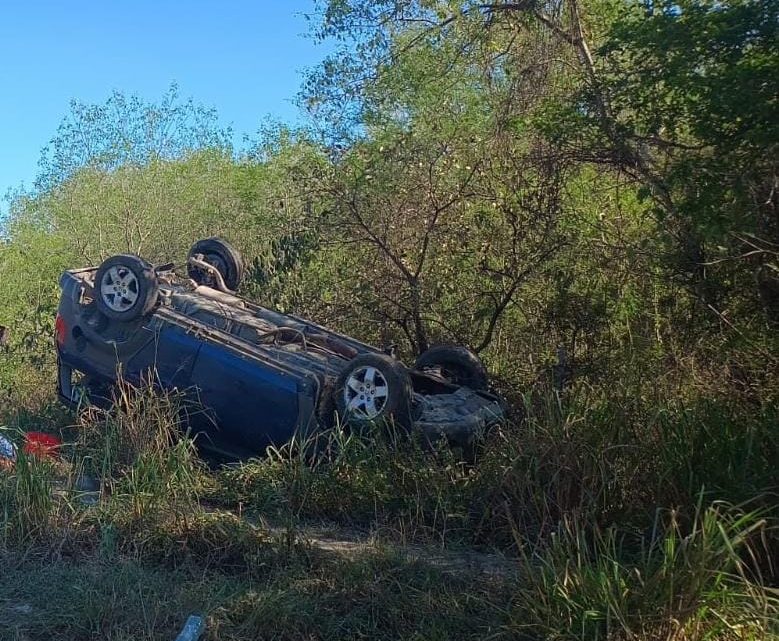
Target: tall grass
376	478
681	582
28	510
618	512
129	469
621	513
580	456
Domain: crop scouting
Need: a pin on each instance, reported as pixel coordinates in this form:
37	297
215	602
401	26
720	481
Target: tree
680	97
692	88
127	131
446	191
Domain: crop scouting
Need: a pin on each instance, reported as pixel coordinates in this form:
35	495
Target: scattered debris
87	489
193	629
7	453
41	445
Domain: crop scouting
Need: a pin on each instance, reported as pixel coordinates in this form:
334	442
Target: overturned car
261	377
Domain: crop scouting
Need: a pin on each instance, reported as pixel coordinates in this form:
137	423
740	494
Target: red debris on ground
41	445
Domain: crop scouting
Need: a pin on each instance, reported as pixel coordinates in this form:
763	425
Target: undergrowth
617	520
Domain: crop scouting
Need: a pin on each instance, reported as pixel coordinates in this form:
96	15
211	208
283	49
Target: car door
248	402
167	360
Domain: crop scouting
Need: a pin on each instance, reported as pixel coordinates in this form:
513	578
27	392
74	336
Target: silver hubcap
366	392
119	288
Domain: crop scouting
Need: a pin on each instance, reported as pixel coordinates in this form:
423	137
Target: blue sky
244	58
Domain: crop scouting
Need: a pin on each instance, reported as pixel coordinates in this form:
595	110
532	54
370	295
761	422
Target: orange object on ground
41	445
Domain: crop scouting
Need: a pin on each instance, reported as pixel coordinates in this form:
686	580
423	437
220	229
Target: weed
673	584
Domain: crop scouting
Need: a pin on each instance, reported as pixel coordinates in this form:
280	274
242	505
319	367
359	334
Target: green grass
300	596
679	582
618	520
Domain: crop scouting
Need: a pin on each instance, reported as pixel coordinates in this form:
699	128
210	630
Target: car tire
223	256
374	388
125	288
457	364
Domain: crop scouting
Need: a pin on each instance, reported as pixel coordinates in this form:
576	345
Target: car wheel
125	288
374	387
455	363
219	254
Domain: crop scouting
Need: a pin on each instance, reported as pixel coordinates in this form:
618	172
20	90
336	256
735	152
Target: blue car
259	376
